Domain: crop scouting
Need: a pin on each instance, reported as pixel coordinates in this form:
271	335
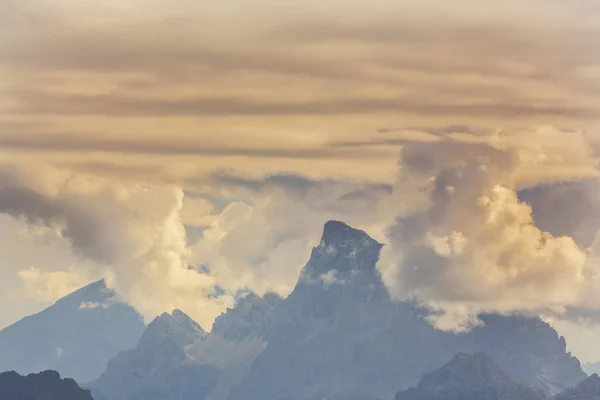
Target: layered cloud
112	87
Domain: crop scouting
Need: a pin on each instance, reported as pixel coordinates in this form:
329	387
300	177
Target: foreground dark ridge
45	385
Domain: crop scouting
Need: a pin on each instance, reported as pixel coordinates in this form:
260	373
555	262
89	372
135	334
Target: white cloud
132	235
476	247
91	305
46	287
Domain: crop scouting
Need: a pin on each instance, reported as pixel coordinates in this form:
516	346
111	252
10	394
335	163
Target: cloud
127	106
455	206
47	287
133	234
49	141
92	305
468	244
197	211
409	61
262	242
579	205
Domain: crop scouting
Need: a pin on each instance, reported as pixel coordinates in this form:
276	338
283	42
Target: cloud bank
459	235
132	234
470	245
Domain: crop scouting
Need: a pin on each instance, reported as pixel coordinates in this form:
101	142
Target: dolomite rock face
338	335
468	376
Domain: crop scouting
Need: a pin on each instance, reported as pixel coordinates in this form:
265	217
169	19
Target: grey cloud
454	57
115	105
288	181
77	224
163	54
319	194
51	141
579	205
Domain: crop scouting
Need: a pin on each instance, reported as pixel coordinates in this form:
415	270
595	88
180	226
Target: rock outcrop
589	389
159	366
338	336
45	385
468	376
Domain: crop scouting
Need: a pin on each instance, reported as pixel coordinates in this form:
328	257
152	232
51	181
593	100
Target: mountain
237	338
76	336
337	336
529	349
173	343
468	376
159	366
45	385
589	389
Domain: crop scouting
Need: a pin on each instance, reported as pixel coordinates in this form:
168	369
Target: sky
173	148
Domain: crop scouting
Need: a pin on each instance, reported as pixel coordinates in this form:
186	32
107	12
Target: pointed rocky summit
589	389
342	253
468	376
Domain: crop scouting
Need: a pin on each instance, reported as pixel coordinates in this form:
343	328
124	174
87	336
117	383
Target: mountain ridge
339	335
46	385
76	336
470	376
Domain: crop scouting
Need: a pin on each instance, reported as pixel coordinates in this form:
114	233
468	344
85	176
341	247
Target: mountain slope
468	376
76	336
589	389
175	346
46	385
337	336
159	366
529	349
340	336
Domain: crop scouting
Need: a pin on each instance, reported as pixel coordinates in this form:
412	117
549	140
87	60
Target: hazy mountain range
337	336
477	376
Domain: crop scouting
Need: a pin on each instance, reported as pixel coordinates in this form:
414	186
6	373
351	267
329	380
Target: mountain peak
466	368
587	389
470	376
342	253
338	233
93	292
177	327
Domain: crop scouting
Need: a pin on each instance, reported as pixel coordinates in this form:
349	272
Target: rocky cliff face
45	385
338	336
529	349
159	366
76	336
468	376
589	389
